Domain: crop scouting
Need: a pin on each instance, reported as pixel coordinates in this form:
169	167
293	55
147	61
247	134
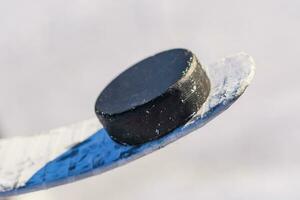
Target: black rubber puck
153	97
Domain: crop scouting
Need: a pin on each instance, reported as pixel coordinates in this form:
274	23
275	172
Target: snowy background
57	55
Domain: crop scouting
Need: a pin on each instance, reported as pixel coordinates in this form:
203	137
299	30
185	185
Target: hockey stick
81	150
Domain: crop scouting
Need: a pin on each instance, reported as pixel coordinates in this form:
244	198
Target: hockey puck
153	97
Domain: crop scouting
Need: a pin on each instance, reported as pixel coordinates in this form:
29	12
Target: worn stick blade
78	151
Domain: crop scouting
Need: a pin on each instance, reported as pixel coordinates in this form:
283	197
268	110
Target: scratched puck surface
153	97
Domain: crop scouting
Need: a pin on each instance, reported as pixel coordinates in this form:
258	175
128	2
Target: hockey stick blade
81	150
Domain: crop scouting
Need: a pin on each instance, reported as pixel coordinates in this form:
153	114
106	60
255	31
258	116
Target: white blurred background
57	55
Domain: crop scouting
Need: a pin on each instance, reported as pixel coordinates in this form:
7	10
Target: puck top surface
144	81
